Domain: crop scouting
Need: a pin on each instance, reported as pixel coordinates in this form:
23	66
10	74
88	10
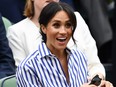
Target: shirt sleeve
26	77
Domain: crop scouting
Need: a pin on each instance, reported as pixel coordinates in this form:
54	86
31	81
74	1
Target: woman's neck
34	19
60	54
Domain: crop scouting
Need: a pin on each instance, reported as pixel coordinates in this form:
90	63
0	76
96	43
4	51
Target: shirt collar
44	51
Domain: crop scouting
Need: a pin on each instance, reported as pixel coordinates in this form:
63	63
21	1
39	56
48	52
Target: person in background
24	37
7	63
53	64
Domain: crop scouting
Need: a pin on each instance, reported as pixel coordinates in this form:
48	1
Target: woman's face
40	4
58	31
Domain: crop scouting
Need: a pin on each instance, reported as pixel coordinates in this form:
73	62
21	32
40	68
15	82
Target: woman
24	37
53	64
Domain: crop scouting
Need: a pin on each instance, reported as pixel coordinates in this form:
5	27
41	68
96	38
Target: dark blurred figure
7	63
114	47
12	9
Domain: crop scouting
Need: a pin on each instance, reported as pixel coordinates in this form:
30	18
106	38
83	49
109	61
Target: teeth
61	39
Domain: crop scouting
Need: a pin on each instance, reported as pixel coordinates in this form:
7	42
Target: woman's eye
56	25
68	25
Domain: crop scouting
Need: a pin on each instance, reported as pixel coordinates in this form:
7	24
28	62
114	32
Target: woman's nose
62	30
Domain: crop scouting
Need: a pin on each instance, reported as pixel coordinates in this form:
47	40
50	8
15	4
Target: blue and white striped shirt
43	69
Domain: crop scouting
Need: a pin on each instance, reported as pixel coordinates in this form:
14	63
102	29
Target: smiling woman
53	56
57	31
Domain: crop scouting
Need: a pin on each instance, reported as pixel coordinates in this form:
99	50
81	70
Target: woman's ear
43	28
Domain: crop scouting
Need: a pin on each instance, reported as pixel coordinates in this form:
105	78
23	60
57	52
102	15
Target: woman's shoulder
79	53
23	26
